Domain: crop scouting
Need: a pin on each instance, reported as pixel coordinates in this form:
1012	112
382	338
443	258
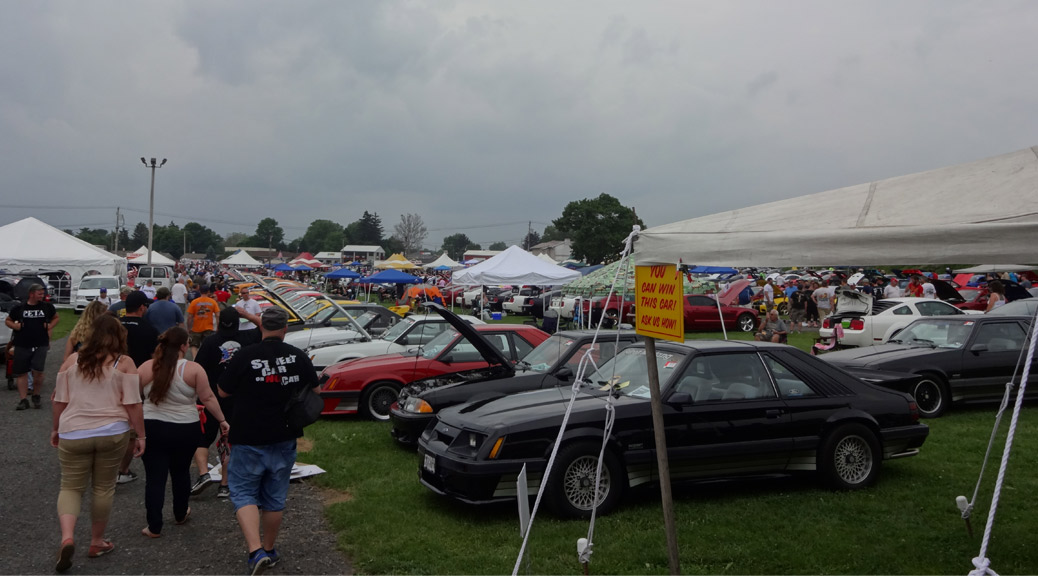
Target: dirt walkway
210	543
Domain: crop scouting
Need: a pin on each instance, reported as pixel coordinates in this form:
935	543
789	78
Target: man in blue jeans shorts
261	378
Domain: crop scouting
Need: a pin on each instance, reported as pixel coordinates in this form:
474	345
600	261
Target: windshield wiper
924	340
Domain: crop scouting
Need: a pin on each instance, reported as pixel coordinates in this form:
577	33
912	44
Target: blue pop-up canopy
342	273
284	268
302	268
390	277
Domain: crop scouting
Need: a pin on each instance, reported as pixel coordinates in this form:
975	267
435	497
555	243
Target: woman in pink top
97	401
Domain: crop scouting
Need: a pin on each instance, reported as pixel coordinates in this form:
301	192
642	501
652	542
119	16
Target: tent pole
662	460
717	299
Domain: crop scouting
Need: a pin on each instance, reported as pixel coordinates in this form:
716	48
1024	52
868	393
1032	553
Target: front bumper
473	481
408	426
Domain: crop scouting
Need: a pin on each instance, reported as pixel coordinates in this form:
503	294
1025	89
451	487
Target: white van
159	275
90	288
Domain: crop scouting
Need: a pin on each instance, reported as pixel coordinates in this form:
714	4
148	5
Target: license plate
429	463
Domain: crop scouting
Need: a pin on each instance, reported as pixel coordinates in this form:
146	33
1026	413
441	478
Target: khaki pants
80	459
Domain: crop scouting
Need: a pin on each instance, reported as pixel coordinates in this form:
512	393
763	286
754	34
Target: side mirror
564	373
978	348
448	359
327	322
680	399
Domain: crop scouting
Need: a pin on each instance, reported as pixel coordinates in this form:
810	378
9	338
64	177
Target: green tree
596	227
455	245
97	236
268	234
236	239
200	238
392	245
169	239
140	236
124	240
550	234
498	246
322	236
530	240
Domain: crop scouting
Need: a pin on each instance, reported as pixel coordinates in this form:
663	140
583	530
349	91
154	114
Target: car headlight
417	406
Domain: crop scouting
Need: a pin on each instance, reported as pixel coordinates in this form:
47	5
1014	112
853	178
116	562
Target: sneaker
274	557
258	562
224	492
130	476
23	404
37	401
201	484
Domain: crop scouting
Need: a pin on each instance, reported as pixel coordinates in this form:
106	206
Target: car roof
587	333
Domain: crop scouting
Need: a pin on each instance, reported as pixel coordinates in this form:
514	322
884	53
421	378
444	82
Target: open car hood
946	292
486	350
731	296
852	301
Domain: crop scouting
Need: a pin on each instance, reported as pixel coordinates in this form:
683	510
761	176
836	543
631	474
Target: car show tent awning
515	266
31	244
993	268
982	211
140	256
342	273
396	262
241	258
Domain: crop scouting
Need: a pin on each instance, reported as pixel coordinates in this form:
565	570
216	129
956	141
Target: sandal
68	548
184	520
147	532
101	549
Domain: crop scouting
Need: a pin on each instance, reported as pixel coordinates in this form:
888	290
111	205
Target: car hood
946	292
539	407
329	354
868	355
388	363
731	295
489	353
852	301
305	338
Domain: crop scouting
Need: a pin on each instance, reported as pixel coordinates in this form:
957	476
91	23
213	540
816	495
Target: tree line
596	228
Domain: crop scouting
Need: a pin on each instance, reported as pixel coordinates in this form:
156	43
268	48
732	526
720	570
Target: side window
425	332
789	385
902	311
700	301
601	352
1001	336
727	378
936	309
522	348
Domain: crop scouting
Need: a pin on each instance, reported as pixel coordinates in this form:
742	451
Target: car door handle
773	413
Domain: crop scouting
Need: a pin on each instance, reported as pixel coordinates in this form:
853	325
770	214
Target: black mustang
959	358
730	408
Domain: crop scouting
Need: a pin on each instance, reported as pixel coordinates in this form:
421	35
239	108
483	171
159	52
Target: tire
931	396
612	314
377	398
850	457
569	489
783	309
746	323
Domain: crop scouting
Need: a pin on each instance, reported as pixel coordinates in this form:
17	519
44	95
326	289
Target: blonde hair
85	327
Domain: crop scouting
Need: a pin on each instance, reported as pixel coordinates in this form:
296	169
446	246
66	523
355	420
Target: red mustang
371	385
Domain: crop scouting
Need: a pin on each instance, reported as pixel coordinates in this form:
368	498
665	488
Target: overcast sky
483	116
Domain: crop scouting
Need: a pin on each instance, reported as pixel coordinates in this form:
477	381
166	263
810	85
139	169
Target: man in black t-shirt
31	324
261	378
141	336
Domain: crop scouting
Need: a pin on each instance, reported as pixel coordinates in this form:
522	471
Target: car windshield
1025	307
439	343
397	329
629	373
326	314
969	295
936	332
310	308
547	354
366	319
95	283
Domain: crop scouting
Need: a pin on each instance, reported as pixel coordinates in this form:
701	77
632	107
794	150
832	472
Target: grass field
907	524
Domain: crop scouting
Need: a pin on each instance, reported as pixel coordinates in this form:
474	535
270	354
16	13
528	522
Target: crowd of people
166	379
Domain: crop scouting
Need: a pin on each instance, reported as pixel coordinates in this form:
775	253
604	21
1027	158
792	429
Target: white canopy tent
30	244
517	267
444	260
241	258
983	211
140	256
547	258
992	268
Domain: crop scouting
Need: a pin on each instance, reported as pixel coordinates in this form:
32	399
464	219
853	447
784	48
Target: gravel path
210	543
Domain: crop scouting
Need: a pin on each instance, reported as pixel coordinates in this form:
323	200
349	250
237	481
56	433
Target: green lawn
388	523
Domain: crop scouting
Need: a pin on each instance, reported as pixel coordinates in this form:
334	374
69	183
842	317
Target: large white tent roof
140	256
444	260
983	211
30	244
241	258
515	266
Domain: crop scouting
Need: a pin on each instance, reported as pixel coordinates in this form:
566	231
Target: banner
659	297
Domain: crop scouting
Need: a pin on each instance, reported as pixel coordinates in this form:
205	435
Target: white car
5	332
521	302
868	323
90	287
565	305
409	332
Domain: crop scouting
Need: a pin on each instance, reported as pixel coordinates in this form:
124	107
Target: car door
701	313
989	359
735	423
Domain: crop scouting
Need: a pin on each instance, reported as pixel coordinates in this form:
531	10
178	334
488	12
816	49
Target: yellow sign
659	306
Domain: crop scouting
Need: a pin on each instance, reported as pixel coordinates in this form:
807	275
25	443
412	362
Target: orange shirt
204	311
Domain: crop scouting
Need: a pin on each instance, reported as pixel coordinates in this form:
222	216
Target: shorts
259	475
797	314
26	359
197	337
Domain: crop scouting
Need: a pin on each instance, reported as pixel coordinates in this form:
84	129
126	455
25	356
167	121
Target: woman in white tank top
170	384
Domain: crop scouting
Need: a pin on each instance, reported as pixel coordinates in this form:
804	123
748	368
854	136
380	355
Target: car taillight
825	323
512	299
913	412
857	324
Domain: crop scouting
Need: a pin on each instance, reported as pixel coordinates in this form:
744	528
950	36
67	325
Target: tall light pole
151	205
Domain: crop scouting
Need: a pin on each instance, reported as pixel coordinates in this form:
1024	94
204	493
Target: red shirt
222	296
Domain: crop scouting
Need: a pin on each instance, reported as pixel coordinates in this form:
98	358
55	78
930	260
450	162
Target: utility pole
184	249
529	232
151	206
115	240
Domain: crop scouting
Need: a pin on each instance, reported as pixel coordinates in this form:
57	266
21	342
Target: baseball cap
229	318
135	300
103	290
274	318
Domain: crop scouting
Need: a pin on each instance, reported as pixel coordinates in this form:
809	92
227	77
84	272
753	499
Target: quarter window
789	384
936	309
727	378
902	311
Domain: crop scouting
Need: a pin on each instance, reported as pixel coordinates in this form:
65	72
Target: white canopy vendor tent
515	266
983	211
140	256
30	244
444	260
241	258
991	268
